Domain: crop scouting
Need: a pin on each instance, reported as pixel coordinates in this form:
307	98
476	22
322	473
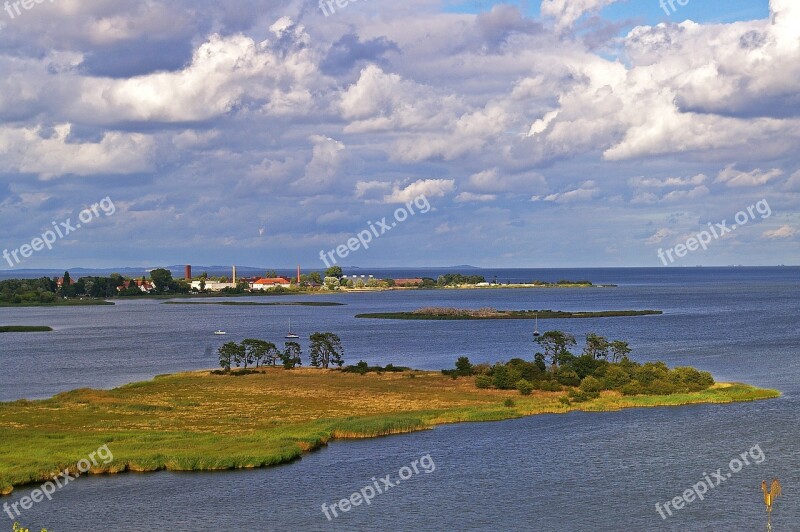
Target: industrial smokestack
188	272
234	275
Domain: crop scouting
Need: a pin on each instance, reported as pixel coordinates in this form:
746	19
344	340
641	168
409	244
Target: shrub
527	370
549	386
632	388
509	403
505	377
524	387
661	387
481	369
615	378
464	366
568	377
483	381
564	400
590	384
652	371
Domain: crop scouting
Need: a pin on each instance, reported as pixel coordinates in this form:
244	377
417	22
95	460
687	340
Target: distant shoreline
491	314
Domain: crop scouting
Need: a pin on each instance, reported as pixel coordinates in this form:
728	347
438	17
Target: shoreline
189	421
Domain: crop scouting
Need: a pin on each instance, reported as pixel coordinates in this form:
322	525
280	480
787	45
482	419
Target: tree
162	278
554	344
463	366
291	355
258	350
270	274
228	353
326	349
596	346
331	283
619	350
334	271
203	279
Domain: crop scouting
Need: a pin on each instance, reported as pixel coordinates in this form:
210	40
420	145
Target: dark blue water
577	471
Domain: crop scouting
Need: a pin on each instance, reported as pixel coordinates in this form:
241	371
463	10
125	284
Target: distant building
60	281
211	286
269	283
145	286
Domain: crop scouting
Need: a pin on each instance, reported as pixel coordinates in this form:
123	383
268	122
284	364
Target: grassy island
24	328
260	304
202	421
442	313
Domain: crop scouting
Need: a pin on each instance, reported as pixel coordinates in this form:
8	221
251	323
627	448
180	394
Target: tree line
602	365
325	350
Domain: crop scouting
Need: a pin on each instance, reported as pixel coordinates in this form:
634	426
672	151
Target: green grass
466	314
24	328
199	421
259	304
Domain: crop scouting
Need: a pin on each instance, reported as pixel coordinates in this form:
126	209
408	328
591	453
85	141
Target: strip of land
198	421
493	314
58	303
24	328
258	304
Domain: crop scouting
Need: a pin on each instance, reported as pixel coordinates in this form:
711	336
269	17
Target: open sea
571	472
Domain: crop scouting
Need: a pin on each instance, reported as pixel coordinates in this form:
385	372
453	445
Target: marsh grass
198	421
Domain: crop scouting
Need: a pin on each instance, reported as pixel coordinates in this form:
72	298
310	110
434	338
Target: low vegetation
446	313
24	328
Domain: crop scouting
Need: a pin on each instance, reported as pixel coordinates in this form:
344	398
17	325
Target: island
446	313
24	328
202	420
259	304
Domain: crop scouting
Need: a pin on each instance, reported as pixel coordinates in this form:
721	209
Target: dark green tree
463	366
228	354
596	346
162	278
334	271
258	350
555	344
326	349
619	350
291	355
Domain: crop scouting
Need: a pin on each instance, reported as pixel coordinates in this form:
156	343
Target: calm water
562	472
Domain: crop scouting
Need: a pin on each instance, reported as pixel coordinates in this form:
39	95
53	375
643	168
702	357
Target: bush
524	387
568	377
661	387
632	388
549	386
464	366
481	369
563	400
483	381
527	370
505	378
650	372
590	384
615	378
509	403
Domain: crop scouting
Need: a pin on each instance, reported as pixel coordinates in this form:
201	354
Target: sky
552	133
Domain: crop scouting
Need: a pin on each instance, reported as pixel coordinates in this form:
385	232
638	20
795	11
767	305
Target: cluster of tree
453	279
46	290
28	291
325	350
363	368
603	365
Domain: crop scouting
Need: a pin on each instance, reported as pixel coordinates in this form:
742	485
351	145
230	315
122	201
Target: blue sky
572	133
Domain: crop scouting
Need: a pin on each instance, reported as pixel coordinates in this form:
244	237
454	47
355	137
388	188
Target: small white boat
220	333
290	334
536	333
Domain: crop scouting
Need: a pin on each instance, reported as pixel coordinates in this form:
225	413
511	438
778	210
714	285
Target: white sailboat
290	334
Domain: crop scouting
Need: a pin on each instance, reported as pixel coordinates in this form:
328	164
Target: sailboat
536	328
290	334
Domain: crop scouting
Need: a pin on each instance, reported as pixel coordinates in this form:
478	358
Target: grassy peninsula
445	313
24	328
202	421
